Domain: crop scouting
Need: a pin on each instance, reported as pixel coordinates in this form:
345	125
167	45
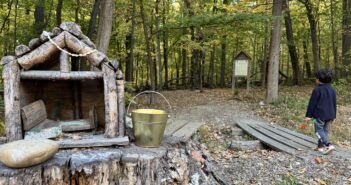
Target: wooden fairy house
45	81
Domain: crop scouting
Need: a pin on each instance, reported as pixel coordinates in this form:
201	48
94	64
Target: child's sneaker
329	149
319	149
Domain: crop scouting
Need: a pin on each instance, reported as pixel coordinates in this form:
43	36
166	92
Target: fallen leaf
197	156
320	181
318	160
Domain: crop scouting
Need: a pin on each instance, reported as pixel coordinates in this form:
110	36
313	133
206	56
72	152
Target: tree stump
172	163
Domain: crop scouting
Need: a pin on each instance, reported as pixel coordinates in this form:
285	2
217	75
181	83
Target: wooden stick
111	112
12	102
64	66
121	103
77	46
57	75
42	53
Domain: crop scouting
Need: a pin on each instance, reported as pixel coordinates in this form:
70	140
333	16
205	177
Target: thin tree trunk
291	45
223	57
39	16
165	47
264	60
148	50
346	35
105	25
305	57
313	29
158	46
59	12
76	11
130	48
15	26
273	67
184	64
93	17
7	18
334	40
211	67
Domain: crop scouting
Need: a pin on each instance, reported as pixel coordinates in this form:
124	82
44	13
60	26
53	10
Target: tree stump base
172	163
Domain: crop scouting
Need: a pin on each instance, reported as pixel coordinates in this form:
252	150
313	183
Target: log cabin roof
67	36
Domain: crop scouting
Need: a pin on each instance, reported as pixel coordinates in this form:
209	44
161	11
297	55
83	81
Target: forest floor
218	109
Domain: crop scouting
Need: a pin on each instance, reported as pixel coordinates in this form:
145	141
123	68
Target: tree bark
291	45
93	16
58	12
105	25
273	65
223	57
184	64
334	40
39	16
158	45
305	57
11	76
130	48
148	50
346	35
313	29
165	46
211	67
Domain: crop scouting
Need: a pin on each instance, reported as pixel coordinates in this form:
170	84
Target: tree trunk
39	16
105	25
165	45
130	48
273	65
307	63
184	64
223	54
158	46
264	60
58	12
7	18
148	50
93	16
211	67
291	45
15	26
346	35
334	40
313	29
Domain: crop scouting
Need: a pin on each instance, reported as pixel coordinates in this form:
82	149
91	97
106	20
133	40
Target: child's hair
324	75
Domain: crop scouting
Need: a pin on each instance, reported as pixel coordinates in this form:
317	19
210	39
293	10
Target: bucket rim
150	111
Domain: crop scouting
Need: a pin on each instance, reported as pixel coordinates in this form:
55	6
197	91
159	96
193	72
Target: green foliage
287	179
342	87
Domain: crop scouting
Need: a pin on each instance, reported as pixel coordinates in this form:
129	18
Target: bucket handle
145	92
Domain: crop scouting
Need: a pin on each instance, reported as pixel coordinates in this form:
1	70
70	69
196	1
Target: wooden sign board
241	68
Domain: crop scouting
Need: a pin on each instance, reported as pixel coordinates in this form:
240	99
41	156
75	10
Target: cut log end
72	28
21	50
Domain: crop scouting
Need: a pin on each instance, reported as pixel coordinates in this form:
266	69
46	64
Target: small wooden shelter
43	71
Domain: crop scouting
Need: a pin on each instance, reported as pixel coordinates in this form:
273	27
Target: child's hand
307	119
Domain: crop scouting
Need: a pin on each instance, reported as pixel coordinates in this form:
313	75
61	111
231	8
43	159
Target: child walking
322	109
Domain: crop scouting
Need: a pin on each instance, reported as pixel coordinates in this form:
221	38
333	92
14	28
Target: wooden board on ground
285	140
175	126
93	141
188	130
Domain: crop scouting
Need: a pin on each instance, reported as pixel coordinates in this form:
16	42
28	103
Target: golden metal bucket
149	124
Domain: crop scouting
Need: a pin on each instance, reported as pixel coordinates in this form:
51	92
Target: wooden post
11	76
76	90
110	92
248	78
233	79
64	66
121	103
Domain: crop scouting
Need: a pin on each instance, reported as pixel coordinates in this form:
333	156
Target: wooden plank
266	140
33	114
76	125
175	126
289	136
93	141
299	135
188	130
278	138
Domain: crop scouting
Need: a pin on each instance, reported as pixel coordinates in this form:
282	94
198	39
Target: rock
237	131
46	133
25	153
21	50
246	145
56	31
34	43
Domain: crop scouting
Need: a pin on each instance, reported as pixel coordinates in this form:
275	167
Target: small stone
21	50
34	43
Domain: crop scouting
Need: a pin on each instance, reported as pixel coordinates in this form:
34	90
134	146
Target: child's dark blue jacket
322	103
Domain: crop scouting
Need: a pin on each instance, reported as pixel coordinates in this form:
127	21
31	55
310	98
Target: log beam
12	102
57	75
77	46
42	53
110	92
